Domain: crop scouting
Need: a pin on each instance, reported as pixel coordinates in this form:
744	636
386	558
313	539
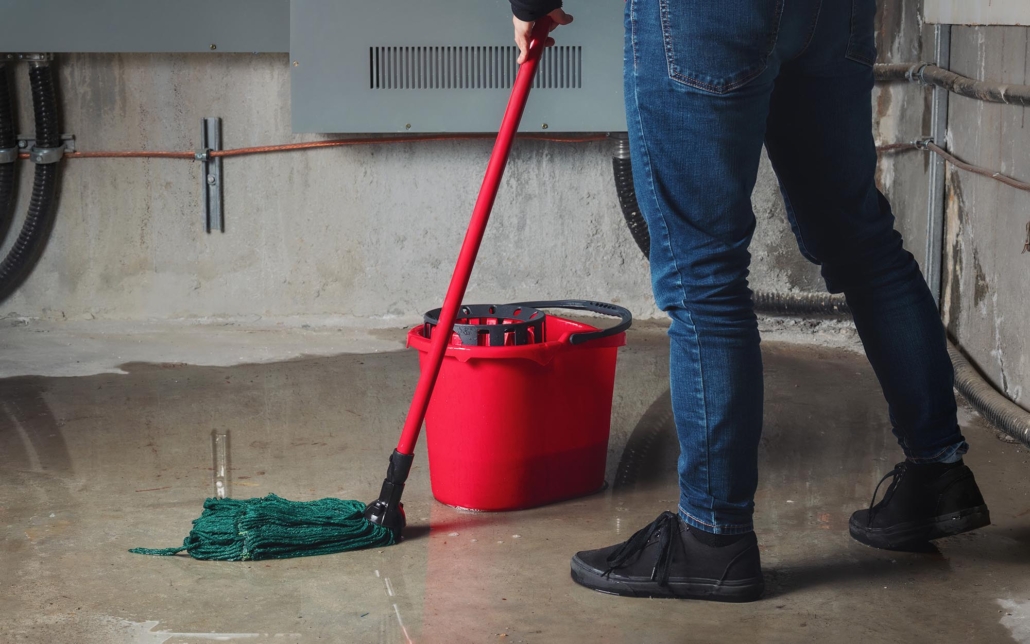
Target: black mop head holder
492	325
387	510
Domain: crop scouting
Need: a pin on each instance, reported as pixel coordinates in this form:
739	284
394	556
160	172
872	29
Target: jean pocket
862	42
719	45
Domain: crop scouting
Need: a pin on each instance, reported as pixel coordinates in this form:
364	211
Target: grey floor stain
91	466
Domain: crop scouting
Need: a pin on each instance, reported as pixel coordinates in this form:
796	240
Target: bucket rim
541	353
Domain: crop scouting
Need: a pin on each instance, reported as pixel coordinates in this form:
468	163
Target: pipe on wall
928	74
1001	412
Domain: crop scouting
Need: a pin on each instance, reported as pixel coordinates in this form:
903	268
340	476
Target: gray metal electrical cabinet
361	66
144	26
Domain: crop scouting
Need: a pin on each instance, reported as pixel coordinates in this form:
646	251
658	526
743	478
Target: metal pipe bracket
44	156
34	57
8	155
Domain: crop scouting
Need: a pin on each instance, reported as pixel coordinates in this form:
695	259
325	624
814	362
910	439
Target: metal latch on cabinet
211	173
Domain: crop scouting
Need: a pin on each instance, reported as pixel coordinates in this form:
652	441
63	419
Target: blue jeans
707	83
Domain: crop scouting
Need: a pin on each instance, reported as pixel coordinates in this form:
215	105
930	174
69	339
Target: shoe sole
744	590
906	535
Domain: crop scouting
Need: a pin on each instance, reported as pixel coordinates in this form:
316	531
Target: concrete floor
93	465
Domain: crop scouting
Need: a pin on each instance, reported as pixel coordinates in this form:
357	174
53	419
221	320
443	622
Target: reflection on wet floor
92	466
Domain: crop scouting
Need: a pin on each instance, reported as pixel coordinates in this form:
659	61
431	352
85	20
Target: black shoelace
895	475
667	529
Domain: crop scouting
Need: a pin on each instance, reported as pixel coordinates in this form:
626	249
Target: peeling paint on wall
987	274
980	286
951	300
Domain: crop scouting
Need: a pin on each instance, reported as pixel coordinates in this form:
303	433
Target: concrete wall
987	274
902	113
363	235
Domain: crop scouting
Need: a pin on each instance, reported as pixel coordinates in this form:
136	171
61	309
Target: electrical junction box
418	66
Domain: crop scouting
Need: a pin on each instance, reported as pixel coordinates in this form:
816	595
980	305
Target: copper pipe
997	176
896	147
311	145
131	154
124	154
335	143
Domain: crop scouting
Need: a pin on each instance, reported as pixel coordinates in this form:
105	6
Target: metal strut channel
211	174
932	266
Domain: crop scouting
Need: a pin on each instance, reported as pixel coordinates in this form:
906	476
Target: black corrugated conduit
1001	412
40	217
8	150
628	197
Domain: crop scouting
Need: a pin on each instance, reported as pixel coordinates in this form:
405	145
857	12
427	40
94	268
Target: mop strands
275	528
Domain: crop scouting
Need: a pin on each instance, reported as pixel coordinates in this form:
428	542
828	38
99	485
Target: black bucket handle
595	307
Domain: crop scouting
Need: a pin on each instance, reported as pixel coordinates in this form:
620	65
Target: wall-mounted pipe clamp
44	156
9	155
34	58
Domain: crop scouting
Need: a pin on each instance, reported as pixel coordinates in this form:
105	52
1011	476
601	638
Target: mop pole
388	511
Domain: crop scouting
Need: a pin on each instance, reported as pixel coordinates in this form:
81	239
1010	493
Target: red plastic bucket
512	427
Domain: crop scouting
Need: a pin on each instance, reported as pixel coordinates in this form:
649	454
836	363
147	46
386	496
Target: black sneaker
665	560
923	502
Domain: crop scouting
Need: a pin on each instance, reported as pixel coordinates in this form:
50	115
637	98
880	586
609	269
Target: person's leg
695	157
821	146
699	76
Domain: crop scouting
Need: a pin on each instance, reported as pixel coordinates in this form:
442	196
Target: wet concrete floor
92	466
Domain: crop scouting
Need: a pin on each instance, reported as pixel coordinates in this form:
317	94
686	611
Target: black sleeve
530	10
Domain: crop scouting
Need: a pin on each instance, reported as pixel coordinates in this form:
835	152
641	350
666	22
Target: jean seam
654	193
704	404
646	154
811	31
792	215
633	37
722	528
935	457
851	52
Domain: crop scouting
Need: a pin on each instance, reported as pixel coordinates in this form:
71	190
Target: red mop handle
473	238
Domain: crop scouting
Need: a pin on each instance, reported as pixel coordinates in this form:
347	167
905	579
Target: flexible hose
8	140
992	405
628	201
800	303
984	398
40	217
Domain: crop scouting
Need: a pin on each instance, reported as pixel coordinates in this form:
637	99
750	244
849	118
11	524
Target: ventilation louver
469	67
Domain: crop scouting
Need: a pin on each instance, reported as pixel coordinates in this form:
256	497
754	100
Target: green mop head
274	528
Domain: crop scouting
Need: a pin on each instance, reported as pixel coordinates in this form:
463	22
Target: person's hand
523	31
